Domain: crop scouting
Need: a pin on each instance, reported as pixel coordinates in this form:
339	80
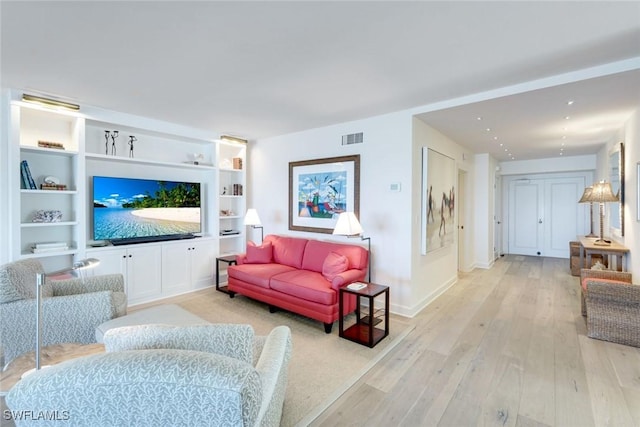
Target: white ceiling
260	69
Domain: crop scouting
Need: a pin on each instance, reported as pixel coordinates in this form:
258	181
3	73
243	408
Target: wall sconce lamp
585	199
47	102
601	193
234	139
348	225
252	219
40	279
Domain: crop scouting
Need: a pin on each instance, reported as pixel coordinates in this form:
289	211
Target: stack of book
43	247
49	144
237	162
27	180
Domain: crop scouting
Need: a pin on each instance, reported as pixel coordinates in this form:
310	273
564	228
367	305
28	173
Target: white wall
632	226
630	135
434	272
386	216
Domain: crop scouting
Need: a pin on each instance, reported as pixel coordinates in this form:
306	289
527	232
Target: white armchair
71	308
159	375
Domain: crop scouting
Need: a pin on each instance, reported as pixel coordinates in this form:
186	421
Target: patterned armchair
71	308
612	306
159	375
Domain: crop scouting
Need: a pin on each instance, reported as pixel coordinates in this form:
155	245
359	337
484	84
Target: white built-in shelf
228	196
230	216
47	224
230	170
231	236
49	254
133	160
48	151
25	191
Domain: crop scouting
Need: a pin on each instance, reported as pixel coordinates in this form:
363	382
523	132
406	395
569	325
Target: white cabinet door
111	261
203	258
143	273
176	268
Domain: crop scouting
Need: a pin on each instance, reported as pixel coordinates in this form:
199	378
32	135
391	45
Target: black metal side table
229	260
364	331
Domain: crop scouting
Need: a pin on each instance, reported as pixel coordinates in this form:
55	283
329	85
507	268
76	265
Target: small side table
364	331
229	260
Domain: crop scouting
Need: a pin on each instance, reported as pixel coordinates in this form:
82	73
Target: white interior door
544	215
563	215
525	217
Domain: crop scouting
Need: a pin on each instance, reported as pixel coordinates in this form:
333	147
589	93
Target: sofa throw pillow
259	254
333	265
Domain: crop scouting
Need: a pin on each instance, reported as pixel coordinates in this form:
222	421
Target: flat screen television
131	210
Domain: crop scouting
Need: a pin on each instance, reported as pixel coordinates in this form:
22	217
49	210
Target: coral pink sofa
299	275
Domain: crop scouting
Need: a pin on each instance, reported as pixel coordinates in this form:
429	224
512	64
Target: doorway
544	215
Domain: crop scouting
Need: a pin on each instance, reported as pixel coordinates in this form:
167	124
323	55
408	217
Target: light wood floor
505	347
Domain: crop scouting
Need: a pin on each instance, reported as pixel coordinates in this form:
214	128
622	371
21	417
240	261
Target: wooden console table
588	248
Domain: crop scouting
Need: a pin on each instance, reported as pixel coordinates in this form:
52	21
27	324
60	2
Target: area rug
323	366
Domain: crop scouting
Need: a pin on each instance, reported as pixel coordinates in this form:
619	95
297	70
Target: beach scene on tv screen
129	208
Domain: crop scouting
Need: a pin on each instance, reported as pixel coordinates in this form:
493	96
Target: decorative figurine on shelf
114	135
106	144
224	191
132	139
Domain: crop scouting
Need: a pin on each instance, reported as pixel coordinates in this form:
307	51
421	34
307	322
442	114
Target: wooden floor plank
607	399
504	346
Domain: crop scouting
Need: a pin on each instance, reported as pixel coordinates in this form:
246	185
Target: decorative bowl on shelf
47	216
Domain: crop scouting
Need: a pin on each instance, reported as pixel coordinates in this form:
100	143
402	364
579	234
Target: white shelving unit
160	151
232	196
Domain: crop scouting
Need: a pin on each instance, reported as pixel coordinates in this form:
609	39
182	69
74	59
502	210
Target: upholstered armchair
71	308
160	375
612	306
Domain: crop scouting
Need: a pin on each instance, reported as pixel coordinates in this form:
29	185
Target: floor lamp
602	193
40	280
585	199
348	225
252	219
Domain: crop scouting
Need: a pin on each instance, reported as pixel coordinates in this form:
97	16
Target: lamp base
602	242
31	371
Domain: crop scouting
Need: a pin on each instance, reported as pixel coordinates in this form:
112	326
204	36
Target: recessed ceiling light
563	144
478	118
564	136
567	117
488	129
506	149
561	153
564	128
570	102
501	144
495	138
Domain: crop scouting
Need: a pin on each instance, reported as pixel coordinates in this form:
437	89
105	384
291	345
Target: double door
544	215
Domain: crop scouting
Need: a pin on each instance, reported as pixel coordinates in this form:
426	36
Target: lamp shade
601	193
586	195
348	225
252	218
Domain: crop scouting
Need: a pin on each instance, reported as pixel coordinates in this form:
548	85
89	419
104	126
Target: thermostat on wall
394	186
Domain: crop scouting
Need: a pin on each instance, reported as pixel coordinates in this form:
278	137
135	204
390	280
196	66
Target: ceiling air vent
353	138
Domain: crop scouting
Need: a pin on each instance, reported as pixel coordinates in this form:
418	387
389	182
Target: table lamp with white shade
252	219
348	225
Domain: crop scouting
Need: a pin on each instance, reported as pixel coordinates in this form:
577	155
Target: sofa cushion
333	265
307	285
257	274
289	251
316	252
259	254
